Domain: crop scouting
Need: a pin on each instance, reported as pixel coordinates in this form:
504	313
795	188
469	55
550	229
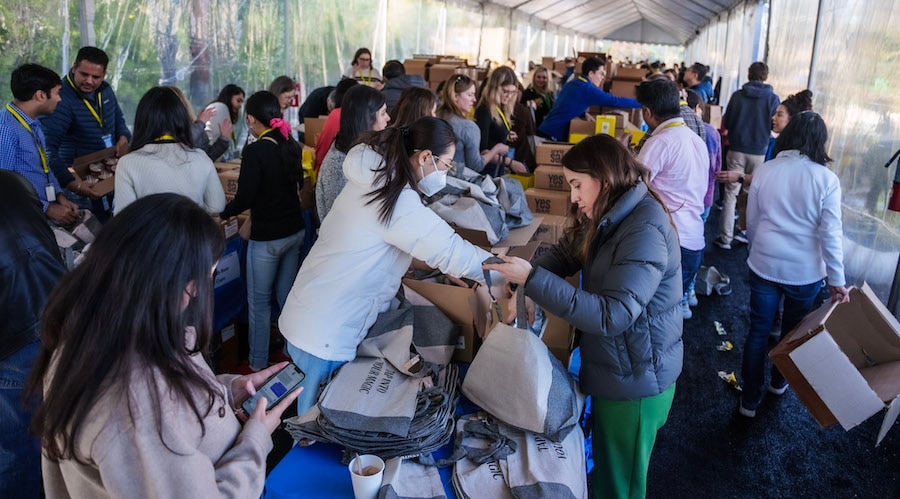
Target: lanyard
503	117
164	138
267	130
365	79
40	148
582	78
670	125
87	103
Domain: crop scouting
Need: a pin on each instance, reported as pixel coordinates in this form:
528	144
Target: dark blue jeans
764	298
20	453
690	263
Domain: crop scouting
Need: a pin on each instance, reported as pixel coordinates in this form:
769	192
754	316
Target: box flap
885	314
884	379
516	237
889	419
453	301
836	380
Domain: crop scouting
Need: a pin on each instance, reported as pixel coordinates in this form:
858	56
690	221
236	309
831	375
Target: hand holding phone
276	388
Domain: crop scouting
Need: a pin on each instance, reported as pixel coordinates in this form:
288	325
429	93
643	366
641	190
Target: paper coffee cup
366	472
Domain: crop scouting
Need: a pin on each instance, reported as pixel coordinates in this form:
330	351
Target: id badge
107	141
51	193
511	153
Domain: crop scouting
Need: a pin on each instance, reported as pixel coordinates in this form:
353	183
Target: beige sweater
158	168
127	458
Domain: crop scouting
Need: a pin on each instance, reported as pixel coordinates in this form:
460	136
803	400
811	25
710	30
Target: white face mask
434	182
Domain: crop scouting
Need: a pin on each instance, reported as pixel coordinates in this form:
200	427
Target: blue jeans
765	296
690	263
318	371
20	453
270	265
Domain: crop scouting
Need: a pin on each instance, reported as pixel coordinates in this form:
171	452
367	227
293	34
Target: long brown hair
607	160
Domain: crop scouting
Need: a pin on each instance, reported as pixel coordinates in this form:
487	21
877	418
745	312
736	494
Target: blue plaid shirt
19	152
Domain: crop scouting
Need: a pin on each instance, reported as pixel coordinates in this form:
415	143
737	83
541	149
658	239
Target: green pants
624	435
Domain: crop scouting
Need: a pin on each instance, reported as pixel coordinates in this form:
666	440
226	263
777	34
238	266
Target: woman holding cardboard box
376	226
628	311
795	233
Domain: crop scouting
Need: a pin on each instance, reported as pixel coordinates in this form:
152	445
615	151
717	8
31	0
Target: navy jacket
30	264
72	130
394	87
748	118
629	310
705	89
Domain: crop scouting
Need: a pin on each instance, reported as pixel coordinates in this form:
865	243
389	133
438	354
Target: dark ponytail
264	107
396	146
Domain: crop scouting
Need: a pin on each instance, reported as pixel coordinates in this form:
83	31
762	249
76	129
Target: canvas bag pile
482	202
515	378
498	461
74	242
398	405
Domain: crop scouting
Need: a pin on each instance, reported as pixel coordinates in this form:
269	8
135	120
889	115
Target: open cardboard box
468	308
516	237
312	129
843	361
81	168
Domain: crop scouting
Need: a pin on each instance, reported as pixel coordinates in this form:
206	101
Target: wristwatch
741	179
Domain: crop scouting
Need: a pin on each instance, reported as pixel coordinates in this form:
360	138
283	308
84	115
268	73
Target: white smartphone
276	388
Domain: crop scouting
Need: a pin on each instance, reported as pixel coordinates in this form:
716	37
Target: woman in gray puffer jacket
628	313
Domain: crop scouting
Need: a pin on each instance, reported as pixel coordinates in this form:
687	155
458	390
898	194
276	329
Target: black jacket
629	310
30	263
394	87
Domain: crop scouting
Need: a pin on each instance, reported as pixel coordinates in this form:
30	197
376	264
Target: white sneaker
741	237
692	298
747	413
721	243
686	310
777	391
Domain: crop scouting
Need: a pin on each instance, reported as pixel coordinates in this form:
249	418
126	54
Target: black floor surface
707	450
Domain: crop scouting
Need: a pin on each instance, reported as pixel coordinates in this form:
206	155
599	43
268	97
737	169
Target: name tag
51	193
107	141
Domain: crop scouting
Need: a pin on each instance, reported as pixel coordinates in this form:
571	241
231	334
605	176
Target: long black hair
805	132
264	107
225	96
358	111
123	317
396	146
161	112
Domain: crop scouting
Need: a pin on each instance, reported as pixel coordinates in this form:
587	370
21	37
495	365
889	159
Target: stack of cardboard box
624	80
550	197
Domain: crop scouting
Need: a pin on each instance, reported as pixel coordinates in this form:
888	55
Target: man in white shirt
678	163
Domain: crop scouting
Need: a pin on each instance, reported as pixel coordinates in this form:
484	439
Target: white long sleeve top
794	222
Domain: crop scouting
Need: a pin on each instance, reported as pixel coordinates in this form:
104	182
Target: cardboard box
516	237
548	62
623	88
712	114
551	153
224	166
468	308
104	158
441	72
632	74
607	124
550	177
470	71
229	179
551	229
580	129
547	202
417	67
843	361
312	128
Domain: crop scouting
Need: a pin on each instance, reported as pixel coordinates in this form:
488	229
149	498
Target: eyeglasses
507	93
451	166
364	59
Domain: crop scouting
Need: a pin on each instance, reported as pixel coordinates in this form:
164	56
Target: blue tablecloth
316	471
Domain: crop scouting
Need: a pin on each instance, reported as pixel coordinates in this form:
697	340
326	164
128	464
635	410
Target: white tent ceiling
647	21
